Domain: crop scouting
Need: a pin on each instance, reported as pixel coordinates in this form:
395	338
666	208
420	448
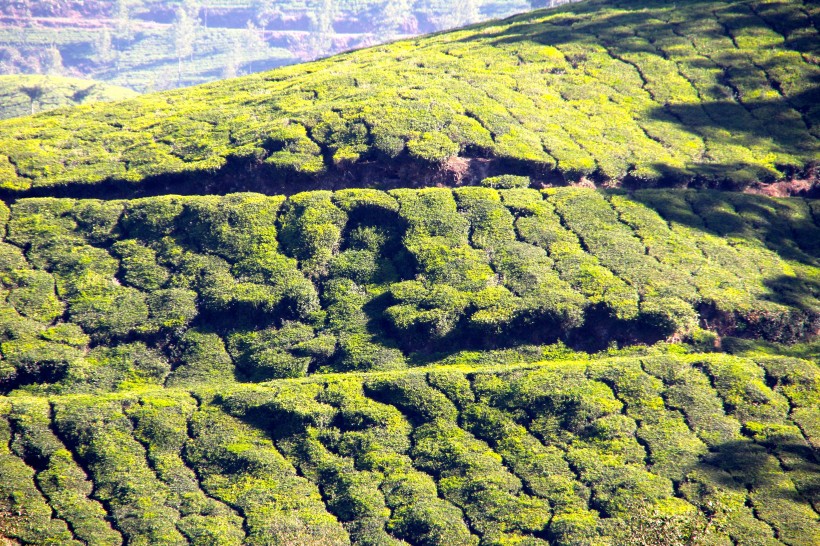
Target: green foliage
506	182
203	360
120	367
62	482
362	280
239	466
235	369
102	437
139	265
566	451
24	513
273	354
432	147
589	91
311	230
161	425
22	95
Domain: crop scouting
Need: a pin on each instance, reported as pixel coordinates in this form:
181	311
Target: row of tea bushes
722	93
664	448
107	295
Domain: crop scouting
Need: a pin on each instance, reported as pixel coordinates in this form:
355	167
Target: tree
184	34
254	42
549	3
231	69
396	15
322	17
104	52
460	13
35	94
123	17
53	61
265	11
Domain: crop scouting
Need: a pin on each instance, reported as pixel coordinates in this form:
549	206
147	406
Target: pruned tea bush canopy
109	295
167	369
643	90
660	448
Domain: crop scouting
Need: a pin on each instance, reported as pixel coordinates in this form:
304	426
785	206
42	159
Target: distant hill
22	95
641	93
139	43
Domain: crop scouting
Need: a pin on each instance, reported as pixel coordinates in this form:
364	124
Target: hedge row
710	91
100	296
657	448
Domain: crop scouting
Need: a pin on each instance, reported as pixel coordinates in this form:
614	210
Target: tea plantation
153	349
22	95
424	326
639	92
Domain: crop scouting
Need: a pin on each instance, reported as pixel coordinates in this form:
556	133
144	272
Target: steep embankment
23	95
644	92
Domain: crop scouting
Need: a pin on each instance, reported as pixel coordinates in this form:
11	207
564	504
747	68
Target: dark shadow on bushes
747	464
773	122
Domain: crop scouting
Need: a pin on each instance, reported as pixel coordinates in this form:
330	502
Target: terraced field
146	347
630	92
653	449
110	295
133	43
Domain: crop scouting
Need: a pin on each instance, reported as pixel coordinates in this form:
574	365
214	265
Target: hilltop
630	92
22	95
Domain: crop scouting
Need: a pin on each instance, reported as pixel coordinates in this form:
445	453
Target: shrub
161	425
432	147
506	181
171	309
235	226
25	514
60	479
120	367
241	467
138	264
203	359
311	230
412	395
32	294
99	432
108	311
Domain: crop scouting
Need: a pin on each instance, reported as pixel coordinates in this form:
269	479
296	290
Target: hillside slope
494	364
22	95
645	92
654	449
106	295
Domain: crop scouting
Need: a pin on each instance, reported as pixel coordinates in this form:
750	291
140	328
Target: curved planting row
102	296
658	449
644	91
